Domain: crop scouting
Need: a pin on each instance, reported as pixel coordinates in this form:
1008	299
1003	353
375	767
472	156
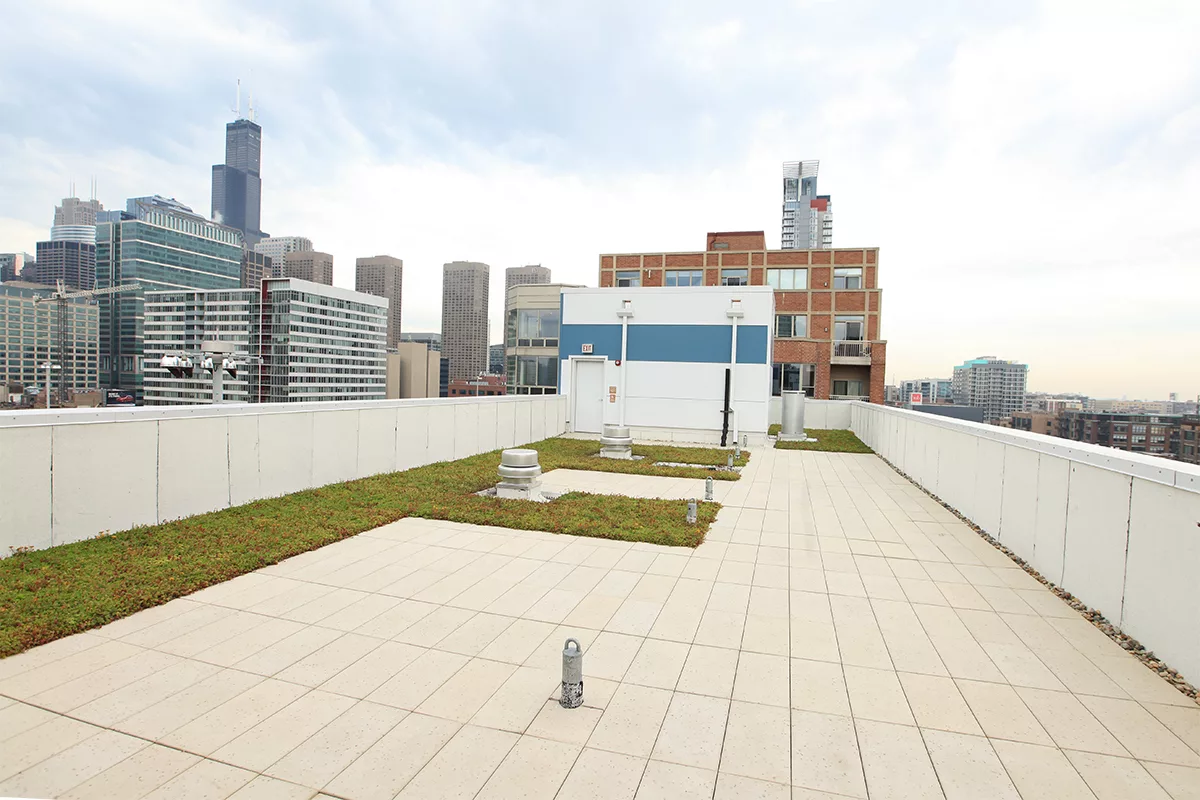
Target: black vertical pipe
725	412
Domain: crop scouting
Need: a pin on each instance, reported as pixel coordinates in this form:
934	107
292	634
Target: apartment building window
537	327
537	374
630	278
1139	439
848	328
793	377
735	277
848	389
685	277
1139	428
1189	435
787	278
847	278
791	326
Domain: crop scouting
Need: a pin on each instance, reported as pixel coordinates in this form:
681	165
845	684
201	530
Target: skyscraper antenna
238	108
252	105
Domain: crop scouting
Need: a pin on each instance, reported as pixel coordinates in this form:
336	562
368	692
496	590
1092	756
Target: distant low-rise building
413	370
13	266
1155	434
1189	439
431	338
933	390
1035	422
279	246
482	386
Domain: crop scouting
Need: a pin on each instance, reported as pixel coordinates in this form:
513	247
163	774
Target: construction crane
61	296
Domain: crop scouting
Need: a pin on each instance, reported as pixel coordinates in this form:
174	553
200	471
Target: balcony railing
852	349
863	397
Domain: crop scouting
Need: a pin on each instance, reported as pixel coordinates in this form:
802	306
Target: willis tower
236	184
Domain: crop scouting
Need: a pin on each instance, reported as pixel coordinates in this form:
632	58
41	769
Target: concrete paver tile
631	721
533	768
693	731
825	753
391	762
665	781
1040	772
756	742
322	756
601	775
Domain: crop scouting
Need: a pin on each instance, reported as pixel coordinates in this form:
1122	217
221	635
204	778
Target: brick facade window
684	277
629	278
735	277
786	279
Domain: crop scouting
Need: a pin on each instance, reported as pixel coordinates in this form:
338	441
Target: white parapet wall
71	474
1120	531
820	414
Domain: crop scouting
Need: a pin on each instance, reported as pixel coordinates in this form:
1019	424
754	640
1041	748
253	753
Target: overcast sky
1030	171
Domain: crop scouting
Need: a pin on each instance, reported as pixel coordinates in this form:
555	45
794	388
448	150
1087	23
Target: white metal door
588	389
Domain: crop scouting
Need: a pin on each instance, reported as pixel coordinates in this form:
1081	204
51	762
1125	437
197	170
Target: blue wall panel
604	339
703	344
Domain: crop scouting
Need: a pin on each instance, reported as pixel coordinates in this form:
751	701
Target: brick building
1153	434
827	305
1189	438
483	386
1035	422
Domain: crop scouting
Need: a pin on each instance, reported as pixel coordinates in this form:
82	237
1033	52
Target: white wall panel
466	430
522	425
193	466
285	453
1162	592
1097	533
989	485
244	473
537	419
488	416
376	441
1050	525
1018	513
334	447
412	437
506	425
104	479
24	508
441	433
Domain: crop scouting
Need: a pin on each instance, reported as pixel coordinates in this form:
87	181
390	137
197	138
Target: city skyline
914	134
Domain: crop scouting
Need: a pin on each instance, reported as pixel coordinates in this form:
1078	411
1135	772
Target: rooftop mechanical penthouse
827	337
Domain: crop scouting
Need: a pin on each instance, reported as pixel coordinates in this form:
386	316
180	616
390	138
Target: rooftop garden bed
48	594
827	441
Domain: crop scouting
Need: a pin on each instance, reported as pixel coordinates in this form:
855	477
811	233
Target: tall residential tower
465	318
807	216
382	276
523	276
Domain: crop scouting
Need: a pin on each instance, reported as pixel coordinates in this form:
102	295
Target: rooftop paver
838	634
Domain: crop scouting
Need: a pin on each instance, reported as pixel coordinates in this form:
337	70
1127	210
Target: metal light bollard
708	488
737	449
729	461
572	675
691	512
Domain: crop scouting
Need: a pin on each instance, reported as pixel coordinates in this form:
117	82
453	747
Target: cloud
1029	169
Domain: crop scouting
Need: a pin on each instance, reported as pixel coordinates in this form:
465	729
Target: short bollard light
745	440
737	449
729	461
572	679
691	517
708	488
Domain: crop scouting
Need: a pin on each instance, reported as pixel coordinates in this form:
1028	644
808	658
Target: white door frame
573	361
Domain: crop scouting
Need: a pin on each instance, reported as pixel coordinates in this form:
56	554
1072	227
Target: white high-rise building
987	382
279	246
308	342
807	216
